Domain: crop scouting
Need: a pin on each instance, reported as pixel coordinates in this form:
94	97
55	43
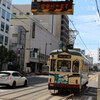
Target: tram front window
64	66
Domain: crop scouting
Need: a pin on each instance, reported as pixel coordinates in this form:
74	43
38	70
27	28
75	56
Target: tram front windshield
64	66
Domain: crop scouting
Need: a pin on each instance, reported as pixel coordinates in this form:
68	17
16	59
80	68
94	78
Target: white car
12	78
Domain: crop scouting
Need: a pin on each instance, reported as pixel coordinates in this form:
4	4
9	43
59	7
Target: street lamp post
46	49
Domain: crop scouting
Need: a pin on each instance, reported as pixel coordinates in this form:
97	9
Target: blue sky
86	21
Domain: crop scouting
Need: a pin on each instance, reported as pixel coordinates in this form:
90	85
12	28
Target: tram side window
52	65
75	66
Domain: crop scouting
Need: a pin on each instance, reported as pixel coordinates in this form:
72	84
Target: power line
20	20
97	7
80	37
88	22
30	17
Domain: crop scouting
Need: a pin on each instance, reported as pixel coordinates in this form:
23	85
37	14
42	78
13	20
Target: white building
90	60
99	54
17	40
38	36
5	15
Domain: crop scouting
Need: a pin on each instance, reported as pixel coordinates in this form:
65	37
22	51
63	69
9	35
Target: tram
68	70
45	69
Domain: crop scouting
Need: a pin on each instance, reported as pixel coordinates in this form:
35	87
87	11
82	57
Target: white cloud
93	8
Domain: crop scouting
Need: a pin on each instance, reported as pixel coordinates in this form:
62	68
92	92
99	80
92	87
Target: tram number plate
61	79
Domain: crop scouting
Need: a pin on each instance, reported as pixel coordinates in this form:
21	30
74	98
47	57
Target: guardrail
69	96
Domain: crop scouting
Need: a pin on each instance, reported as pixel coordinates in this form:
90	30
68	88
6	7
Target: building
50	22
90	60
17	40
5	21
38	36
64	30
98	54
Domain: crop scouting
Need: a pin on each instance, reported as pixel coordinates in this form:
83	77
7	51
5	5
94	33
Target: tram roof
72	52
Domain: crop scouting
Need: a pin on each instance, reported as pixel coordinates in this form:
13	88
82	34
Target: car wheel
14	84
25	83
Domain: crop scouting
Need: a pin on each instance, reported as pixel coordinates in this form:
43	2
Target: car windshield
4	74
64	66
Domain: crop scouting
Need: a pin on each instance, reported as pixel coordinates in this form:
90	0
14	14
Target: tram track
21	91
26	94
34	96
25	89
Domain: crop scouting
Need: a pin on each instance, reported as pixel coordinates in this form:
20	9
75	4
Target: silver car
12	78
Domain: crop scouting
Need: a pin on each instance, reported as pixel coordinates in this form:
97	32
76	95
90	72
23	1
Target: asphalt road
37	79
38	90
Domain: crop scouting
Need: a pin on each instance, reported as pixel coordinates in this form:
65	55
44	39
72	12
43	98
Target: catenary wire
80	37
42	26
97	7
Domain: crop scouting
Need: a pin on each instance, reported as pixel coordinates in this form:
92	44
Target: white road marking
3	90
96	79
89	98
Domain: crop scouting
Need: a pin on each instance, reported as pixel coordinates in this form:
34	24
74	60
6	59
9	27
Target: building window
33	30
4	3
6	40
20	13
27	13
1	39
2	26
9	5
14	13
14	44
3	13
0	1
7	28
14	35
8	16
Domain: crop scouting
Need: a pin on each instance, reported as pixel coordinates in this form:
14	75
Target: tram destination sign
64	56
52	7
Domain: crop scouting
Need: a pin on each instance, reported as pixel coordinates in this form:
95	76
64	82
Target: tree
6	56
3	55
11	56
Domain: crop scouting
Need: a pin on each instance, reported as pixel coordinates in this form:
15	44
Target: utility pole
46	50
39	60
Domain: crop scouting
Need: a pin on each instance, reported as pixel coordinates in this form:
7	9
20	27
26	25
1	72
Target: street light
46	49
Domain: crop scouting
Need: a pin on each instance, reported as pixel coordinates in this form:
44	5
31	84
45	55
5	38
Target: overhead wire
97	7
88	22
42	26
80	37
34	20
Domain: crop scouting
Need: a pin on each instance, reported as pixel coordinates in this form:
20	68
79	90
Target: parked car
12	78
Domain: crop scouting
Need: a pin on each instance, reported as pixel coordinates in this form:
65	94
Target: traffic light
35	49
